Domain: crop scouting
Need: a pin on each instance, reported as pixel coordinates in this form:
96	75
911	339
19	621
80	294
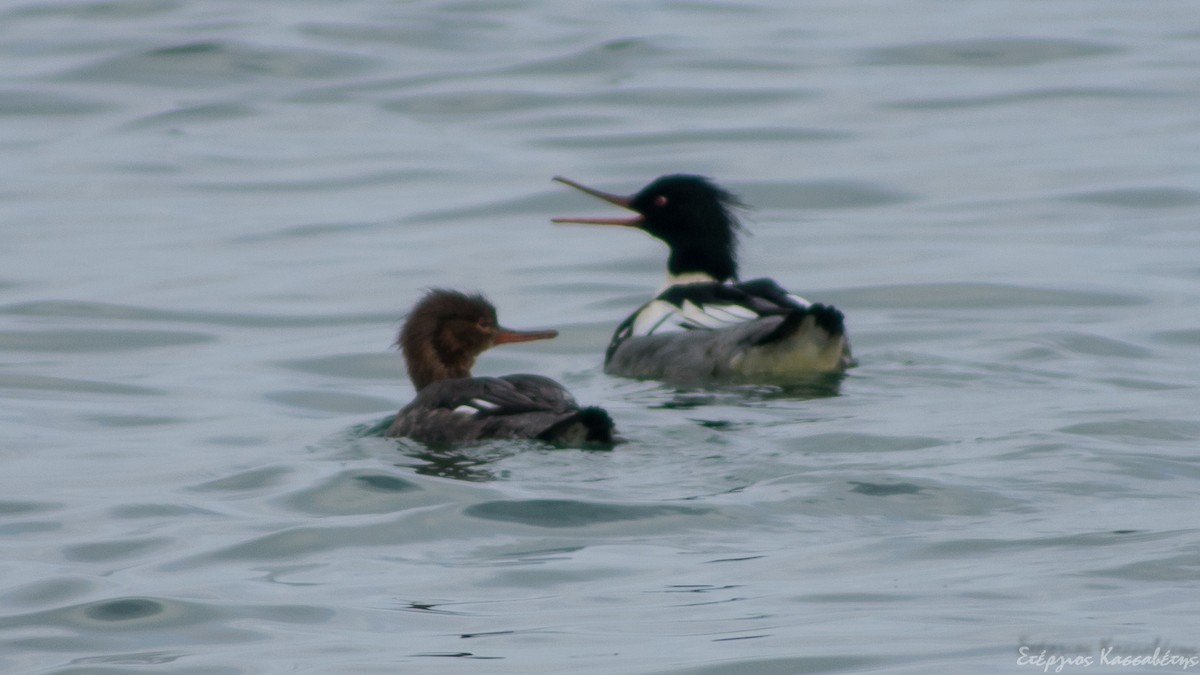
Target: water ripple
1138	429
248	481
330	401
1091	345
626	54
137	621
193	114
356	492
381	366
210	64
973	295
989	53
1188	337
314	183
837	663
1087	540
105	551
467	102
26	383
103	310
1176	569
10	508
15	103
48	591
822	194
858	443
692	136
570	513
1025	97
1141	198
92	340
93	11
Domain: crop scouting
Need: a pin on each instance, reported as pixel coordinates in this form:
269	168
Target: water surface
215	215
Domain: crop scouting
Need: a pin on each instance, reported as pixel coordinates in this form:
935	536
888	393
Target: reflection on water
884	489
471	463
823	385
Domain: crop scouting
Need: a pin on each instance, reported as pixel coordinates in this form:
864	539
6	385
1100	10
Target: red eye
660	201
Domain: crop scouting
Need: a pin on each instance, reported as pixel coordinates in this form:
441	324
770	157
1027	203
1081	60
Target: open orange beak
507	335
618	200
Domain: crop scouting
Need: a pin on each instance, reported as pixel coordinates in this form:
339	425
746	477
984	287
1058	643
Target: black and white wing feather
712	329
709	306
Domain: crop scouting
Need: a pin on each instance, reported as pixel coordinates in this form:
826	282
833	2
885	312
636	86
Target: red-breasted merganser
440	340
705	323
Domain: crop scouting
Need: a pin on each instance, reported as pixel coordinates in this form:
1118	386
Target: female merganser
704	323
440	340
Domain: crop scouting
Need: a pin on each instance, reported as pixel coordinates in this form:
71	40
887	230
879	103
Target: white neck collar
687	278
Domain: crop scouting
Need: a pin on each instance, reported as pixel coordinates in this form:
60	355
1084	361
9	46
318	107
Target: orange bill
507	335
617	200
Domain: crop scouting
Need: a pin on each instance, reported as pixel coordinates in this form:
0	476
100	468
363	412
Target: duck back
510	407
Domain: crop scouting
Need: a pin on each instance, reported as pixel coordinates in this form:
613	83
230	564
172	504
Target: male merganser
705	323
440	340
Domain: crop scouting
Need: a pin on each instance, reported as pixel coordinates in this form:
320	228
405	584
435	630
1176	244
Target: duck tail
586	426
826	317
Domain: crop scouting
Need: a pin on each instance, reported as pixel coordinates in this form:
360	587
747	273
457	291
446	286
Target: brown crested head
447	329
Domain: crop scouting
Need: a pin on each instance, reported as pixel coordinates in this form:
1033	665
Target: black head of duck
694	216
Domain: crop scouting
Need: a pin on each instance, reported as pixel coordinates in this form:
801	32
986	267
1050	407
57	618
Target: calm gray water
215	213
